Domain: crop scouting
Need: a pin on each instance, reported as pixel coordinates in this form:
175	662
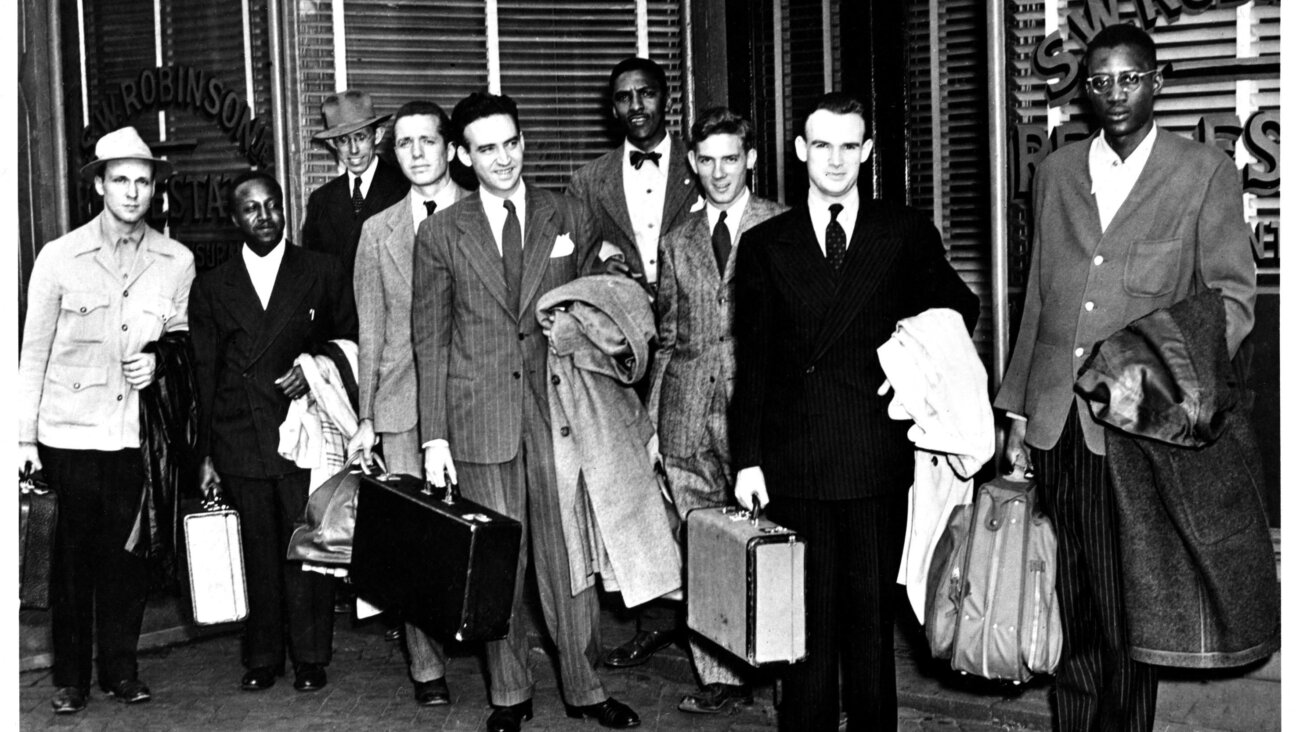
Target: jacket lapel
1144	188
398	240
291	284
807	272
240	297
612	192
868	261
757	211
537	245
697	259
478	246
680	191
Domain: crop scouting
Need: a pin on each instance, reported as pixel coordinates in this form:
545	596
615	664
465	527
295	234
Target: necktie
511	243
637	158
720	243
835	239
357	198
430	206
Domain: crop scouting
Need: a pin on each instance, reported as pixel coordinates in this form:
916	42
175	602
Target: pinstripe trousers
524	488
852	557
1098	686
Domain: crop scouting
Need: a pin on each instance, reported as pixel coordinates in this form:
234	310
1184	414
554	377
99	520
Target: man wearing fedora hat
96	298
336	212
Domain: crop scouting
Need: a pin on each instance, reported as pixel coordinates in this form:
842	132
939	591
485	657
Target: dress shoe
716	698
129	691
260	678
510	718
68	700
639	649
310	677
611	713
432	693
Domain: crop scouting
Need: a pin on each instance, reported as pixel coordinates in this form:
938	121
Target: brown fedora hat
125	144
347	112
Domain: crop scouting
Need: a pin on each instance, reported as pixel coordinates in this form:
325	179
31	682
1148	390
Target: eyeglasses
1128	80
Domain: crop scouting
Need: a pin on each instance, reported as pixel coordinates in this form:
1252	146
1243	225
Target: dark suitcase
446	563
37	521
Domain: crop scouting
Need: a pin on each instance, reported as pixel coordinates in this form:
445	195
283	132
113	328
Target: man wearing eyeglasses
1129	221
336	212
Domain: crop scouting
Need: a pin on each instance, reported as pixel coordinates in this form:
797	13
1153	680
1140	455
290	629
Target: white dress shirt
264	270
496	214
366	178
1113	178
645	192
820	216
733	215
444	198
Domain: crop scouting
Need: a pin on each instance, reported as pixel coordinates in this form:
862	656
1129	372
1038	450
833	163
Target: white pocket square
562	246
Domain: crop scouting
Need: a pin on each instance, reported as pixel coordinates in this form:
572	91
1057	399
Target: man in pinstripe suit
808	428
1126	222
482	381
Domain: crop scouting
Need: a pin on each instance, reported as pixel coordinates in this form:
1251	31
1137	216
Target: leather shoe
716	698
260	678
68	700
129	691
510	718
432	693
639	649
310	677
611	713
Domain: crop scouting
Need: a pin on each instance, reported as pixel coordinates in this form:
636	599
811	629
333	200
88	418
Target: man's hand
208	480
1015	451
749	486
293	384
363	441
437	463
28	456
617	266
139	370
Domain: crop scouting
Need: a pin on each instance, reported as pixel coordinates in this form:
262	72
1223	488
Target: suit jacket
1181	230
805	406
601	187
333	227
240	349
384	279
471	350
694	324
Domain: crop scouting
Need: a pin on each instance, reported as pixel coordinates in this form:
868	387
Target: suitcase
446	563
214	555
991	602
746	585
37	522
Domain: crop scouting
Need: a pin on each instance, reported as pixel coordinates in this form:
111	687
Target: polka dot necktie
357	198
835	239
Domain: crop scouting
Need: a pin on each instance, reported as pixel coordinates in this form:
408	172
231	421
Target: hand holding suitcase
214	552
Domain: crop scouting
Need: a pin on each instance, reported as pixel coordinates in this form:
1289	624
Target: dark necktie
720	243
835	239
638	157
430	206
511	243
357	198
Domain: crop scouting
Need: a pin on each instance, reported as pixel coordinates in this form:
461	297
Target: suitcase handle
32	481
451	490
755	511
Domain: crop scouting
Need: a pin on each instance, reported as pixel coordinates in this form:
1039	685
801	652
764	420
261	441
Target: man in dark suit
249	319
1131	220
482	384
692	374
337	210
642	189
818	289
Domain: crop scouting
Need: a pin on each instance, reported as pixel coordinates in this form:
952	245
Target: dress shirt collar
1103	158
133	238
264	270
366	178
820	215
733	214
444	198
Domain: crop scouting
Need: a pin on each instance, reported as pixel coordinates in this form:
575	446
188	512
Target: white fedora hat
125	144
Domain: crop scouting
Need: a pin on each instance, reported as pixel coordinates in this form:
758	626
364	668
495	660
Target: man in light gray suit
383	278
483	385
692	376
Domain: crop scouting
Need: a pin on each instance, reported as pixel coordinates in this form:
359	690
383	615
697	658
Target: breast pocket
84	317
1152	267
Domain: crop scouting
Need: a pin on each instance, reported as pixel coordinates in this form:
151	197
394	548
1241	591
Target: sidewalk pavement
195	686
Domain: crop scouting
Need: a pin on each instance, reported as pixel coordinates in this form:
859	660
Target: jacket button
565	431
77	385
810	369
712	379
1089	305
119	397
555	380
125	293
521	336
83	309
123	326
1079	352
517	374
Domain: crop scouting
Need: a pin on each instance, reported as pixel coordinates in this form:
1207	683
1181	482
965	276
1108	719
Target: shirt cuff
608	251
436	443
1014	415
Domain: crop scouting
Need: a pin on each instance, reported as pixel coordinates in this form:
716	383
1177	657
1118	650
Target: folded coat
1200	581
615	520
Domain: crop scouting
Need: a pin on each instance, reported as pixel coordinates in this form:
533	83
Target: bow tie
637	158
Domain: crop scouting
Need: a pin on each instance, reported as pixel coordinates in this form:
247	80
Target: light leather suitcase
746	585
214	553
448	565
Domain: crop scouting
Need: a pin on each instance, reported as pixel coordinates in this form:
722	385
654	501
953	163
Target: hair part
231	197
720	121
637	63
420	108
479	105
838	103
1123	34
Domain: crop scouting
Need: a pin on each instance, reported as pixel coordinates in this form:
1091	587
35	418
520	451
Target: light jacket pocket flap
78	377
84	302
